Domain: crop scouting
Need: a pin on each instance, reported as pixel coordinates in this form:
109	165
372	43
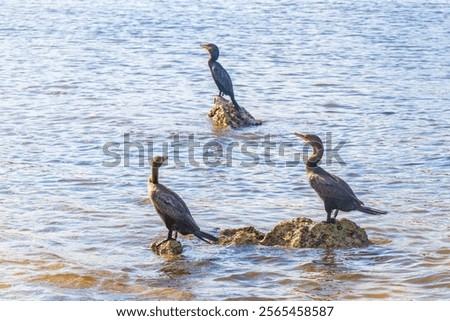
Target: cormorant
334	192
171	208
219	74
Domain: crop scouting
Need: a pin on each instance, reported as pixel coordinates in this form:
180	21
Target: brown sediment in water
67	280
53	266
380	241
169	294
121	286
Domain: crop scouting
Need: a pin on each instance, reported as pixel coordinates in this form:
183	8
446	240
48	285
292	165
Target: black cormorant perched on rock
219	74
334	192
171	208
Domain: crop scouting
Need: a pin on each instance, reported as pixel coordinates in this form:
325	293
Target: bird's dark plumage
219	74
172	210
335	193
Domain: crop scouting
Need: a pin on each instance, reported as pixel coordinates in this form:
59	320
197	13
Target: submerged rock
302	233
167	247
225	116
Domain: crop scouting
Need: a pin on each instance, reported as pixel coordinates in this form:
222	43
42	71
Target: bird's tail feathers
203	236
235	104
371	211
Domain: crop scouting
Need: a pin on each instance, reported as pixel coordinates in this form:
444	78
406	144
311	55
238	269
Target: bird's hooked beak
302	136
158	161
311	139
206	46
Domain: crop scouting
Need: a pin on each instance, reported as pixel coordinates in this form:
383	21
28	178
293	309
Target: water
75	76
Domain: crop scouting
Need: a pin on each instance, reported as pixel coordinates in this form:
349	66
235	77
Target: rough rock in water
305	233
240	236
167	247
289	233
302	233
225	116
343	234
298	232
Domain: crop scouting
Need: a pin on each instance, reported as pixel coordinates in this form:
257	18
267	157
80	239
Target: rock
167	247
300	232
240	236
225	116
289	233
343	234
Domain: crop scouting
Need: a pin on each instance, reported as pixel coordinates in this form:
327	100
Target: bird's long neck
155	172
214	55
211	62
316	156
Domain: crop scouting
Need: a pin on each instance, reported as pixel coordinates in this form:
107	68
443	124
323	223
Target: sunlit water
75	76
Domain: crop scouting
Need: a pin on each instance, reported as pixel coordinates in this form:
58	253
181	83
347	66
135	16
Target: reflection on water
76	77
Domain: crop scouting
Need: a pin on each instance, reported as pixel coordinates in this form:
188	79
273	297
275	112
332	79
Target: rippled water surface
78	76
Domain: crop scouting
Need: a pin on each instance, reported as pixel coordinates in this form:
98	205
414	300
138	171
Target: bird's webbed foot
330	221
169	237
162	242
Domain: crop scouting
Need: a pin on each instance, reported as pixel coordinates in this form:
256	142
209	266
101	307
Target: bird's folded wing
333	187
174	207
221	76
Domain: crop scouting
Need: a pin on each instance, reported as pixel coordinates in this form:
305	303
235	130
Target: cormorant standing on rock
171	208
219	74
334	192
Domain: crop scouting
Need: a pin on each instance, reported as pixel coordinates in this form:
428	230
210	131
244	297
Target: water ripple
76	77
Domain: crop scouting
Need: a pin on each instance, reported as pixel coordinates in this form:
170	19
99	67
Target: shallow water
75	77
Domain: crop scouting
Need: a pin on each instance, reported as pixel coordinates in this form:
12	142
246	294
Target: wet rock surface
240	236
225	116
301	233
298	232
288	233
167	247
